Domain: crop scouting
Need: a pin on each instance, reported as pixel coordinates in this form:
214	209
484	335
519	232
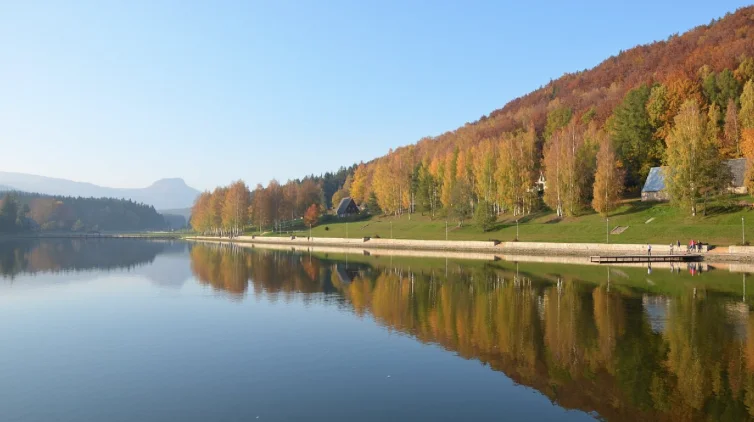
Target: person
671	249
679	245
691	246
698	246
649	250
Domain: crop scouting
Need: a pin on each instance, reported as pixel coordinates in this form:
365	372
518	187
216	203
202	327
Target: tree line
228	210
691	125
22	211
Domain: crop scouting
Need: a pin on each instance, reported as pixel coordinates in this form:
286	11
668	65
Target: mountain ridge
168	193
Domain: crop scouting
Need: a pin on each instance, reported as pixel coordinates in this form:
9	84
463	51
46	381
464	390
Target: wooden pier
645	258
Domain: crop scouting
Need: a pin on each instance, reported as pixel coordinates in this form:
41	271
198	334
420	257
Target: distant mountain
162	194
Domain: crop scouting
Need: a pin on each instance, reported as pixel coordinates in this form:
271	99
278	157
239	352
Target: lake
136	330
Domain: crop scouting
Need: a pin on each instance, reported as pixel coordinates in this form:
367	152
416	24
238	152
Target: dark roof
655	180
345	203
737	170
656	177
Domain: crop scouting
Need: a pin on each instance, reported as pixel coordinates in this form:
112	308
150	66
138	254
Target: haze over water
124	330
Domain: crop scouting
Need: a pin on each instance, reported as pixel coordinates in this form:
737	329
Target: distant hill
162	194
184	212
38	212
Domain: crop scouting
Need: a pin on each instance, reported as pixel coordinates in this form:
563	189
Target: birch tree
608	180
695	167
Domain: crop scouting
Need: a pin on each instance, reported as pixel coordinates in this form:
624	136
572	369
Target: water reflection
615	341
163	262
614	348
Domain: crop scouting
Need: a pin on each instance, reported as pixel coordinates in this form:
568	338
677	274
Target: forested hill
23	212
680	62
575	144
630	101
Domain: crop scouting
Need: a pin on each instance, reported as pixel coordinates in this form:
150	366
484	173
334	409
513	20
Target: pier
612	259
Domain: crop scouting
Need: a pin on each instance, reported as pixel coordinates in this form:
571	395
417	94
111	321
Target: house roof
344	204
656	178
737	170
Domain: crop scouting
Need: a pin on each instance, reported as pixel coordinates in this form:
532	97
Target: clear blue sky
124	93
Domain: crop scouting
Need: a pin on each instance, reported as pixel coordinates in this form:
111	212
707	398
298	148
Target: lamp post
517	230
743	232
446	230
607	230
310	232
391	229
346	229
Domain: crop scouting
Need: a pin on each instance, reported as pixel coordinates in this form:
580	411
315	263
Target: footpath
717	254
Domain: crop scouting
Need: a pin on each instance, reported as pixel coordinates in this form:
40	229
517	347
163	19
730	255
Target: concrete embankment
733	253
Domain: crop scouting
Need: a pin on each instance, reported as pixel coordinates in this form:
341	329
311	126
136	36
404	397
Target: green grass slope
646	222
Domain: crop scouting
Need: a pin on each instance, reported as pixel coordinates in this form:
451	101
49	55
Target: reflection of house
347	207
345	274
654	186
738	315
656	310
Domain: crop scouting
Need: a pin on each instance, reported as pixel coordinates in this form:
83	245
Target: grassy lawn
646	222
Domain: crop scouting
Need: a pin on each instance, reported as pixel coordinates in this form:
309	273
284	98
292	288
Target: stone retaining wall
741	250
539	248
588	248
366	242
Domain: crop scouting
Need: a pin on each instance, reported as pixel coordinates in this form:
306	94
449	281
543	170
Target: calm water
129	330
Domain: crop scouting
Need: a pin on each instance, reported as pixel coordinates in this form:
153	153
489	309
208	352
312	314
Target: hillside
162	194
577	145
626	105
718	45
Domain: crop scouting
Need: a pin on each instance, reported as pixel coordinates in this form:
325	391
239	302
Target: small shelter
654	186
346	207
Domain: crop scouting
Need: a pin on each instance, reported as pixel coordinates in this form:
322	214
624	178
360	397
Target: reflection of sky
118	347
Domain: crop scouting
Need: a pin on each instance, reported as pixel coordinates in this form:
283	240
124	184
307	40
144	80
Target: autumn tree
235	208
311	217
309	192
695	167
216	202
731	146
516	170
484	167
361	185
555	157
260	207
448	178
608	180
747	150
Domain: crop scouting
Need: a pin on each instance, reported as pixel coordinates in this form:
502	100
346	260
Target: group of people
693	246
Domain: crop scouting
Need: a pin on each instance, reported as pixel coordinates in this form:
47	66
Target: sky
123	93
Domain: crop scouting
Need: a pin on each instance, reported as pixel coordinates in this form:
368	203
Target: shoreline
492	248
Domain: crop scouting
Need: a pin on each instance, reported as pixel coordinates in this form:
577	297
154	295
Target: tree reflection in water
594	347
